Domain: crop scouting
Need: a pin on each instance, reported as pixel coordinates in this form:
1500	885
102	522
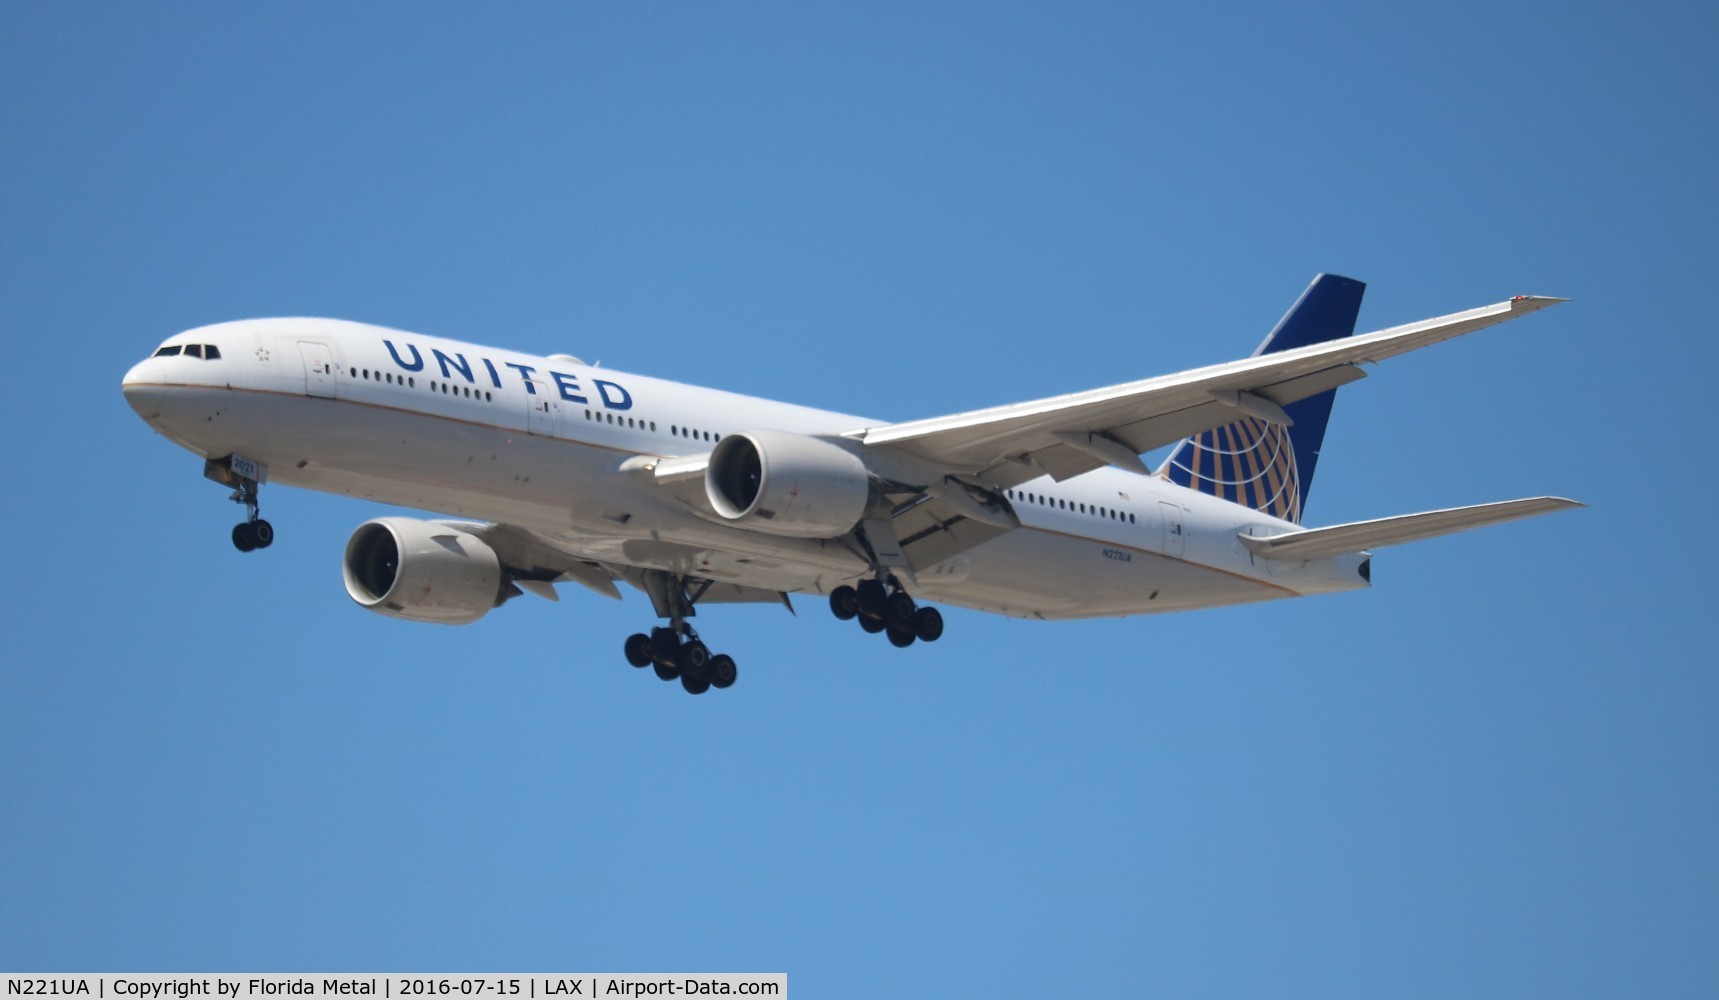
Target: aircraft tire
666	671
694	660
694	685
900	638
665	646
639	650
870	624
263	533
244	539
844	603
898	612
928	624
723	672
872	599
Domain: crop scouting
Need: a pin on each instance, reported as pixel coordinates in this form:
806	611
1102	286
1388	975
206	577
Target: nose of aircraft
143	388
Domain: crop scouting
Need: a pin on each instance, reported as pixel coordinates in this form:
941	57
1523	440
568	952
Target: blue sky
1494	774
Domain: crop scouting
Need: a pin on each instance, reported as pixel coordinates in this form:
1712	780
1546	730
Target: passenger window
167	352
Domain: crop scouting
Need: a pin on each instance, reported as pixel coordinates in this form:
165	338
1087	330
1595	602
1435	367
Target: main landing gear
888	609
682	655
675	650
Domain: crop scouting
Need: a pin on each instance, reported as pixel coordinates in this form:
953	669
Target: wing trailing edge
1343	539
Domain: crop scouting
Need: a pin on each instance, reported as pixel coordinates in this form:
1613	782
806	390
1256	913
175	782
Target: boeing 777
558	471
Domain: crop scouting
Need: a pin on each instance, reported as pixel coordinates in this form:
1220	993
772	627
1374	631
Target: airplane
554	471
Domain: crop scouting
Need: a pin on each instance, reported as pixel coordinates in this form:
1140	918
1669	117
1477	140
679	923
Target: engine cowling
787	484
422	571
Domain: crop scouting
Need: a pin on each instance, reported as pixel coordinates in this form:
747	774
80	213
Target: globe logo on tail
1249	462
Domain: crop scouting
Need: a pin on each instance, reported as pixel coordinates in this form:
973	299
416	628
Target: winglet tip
1530	303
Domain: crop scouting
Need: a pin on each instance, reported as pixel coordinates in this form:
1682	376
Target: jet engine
422	571
787	484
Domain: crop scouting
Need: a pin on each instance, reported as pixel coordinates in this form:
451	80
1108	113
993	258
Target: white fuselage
537	442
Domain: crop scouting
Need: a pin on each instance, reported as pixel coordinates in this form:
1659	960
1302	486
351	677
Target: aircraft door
318	368
1175	540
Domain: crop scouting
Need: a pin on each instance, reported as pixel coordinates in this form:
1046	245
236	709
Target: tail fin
1268	466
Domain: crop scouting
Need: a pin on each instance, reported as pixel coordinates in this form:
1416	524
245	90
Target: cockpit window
208	352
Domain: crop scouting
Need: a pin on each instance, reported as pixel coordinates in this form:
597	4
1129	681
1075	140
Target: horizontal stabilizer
1341	539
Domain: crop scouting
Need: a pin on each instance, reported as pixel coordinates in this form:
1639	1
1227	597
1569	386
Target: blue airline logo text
613	395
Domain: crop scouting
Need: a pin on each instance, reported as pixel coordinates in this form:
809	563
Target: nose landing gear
246	478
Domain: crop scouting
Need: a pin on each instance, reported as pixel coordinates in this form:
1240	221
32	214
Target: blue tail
1267	466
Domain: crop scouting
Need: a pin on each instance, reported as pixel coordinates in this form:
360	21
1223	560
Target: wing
535	563
1065	436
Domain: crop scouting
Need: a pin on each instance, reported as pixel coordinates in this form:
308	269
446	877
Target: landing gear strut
675	651
885	607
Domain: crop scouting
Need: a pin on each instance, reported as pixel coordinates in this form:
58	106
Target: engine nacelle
787	484
422	571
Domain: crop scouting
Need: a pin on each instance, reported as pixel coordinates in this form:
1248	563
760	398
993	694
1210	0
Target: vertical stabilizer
1268	466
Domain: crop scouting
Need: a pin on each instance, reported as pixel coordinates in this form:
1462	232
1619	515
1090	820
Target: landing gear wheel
639	649
900	638
665	647
263	533
872	625
871	599
244	538
723	672
899	611
928	624
844	603
694	660
666	671
694	685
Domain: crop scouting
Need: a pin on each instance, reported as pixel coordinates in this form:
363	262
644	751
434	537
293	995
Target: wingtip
1530	303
